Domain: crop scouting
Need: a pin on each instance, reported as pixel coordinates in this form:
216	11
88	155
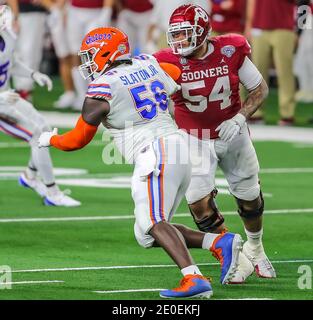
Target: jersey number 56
148	99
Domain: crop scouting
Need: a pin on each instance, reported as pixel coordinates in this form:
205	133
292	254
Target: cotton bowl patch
122	48
228	51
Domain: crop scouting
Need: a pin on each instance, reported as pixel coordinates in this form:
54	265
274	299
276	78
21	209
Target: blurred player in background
29	47
13	4
83	16
134	17
271	27
130	98
18	118
208	107
303	66
228	16
57	27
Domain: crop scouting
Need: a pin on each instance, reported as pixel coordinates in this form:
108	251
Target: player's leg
283	53
77	21
27	124
59	38
154	197
30	48
242	176
261	57
201	192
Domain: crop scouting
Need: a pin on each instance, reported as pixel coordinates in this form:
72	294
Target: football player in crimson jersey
209	109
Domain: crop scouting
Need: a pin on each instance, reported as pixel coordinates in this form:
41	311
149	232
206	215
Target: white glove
42	80
9	96
44	139
230	128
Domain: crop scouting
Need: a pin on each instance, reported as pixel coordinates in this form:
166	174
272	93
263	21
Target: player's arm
94	111
250	5
13	4
254	99
21	69
253	81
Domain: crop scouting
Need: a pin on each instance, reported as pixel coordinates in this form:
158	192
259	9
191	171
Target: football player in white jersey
18	118
129	96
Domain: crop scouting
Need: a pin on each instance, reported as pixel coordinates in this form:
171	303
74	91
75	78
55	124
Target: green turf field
92	248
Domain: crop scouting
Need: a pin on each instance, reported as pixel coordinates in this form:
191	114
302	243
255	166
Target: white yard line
143	266
156	289
125	217
34	282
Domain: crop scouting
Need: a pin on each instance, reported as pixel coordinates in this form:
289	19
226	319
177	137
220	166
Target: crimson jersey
87	3
137	5
272	15
230	20
209	86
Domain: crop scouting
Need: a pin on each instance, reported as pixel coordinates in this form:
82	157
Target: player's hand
42	80
230	128
9	97
45	137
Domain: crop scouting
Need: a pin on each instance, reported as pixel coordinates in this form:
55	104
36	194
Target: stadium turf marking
34	282
144	266
125	217
152	290
129	290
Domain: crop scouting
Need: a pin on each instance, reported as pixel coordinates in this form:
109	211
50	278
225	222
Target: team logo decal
183	60
228	51
122	48
98	37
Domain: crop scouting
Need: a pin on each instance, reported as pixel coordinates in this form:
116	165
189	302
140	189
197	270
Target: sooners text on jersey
209	86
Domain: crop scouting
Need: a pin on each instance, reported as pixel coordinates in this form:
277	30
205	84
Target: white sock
30	173
254	238
208	240
42	160
192	269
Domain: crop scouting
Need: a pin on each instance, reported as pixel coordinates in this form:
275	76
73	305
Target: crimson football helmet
188	24
100	48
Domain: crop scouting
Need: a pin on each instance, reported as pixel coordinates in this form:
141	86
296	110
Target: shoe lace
184	281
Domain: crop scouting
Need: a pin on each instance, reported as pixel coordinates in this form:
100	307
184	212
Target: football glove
42	80
230	128
44	139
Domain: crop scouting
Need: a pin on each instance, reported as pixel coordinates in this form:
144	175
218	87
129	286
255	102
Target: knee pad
143	239
251	213
210	223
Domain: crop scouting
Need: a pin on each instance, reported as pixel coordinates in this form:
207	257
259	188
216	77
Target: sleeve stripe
99	93
100	85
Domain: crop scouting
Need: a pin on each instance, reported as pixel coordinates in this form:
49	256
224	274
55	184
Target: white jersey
7	45
138	95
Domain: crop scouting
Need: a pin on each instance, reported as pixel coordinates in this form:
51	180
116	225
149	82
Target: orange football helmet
100	48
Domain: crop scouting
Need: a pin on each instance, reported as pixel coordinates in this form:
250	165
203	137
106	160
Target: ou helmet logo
200	13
